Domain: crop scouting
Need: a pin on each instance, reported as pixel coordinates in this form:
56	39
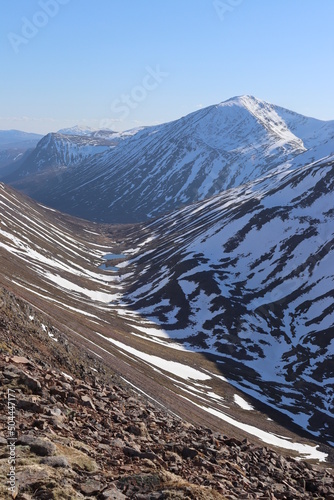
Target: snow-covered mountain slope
54	263
248	277
311	130
156	169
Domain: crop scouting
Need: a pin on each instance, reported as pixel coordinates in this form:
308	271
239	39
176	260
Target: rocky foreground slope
82	433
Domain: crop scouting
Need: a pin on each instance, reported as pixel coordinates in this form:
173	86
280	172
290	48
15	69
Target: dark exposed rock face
90	436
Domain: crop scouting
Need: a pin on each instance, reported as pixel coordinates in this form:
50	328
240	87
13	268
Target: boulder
58	461
39	446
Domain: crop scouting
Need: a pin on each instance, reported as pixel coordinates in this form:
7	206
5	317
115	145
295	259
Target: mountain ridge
150	171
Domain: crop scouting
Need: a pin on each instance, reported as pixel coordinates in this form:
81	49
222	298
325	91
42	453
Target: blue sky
125	63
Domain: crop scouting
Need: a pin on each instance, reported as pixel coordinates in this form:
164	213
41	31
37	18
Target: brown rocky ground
81	432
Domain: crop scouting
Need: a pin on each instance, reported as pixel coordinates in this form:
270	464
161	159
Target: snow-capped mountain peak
144	173
76	130
266	114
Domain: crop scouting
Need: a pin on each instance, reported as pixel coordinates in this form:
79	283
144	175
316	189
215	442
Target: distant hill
14	146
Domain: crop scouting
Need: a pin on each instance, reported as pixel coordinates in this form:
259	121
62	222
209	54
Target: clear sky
124	63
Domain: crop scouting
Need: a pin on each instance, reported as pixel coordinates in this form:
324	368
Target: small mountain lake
108	266
112	256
